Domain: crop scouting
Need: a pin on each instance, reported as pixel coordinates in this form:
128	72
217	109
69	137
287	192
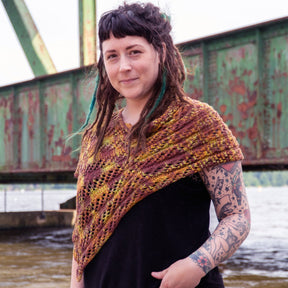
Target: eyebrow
129	47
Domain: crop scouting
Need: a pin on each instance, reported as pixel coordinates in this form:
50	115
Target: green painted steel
87	32
29	37
39	115
243	74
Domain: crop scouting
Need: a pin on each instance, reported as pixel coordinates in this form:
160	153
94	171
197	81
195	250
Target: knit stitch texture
185	139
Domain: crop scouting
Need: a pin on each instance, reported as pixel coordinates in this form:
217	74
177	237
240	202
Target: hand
182	274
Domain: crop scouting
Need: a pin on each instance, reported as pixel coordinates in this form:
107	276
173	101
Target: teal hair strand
161	94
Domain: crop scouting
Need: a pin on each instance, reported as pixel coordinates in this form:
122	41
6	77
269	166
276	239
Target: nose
125	64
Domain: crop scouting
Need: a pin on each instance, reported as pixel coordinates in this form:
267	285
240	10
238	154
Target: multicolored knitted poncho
185	139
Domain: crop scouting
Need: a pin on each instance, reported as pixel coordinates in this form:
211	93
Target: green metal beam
29	37
87	32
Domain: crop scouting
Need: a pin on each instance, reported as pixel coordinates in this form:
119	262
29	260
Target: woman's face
132	66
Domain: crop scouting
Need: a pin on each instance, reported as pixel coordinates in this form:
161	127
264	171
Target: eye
135	52
111	56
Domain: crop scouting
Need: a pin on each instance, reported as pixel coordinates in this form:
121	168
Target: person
149	168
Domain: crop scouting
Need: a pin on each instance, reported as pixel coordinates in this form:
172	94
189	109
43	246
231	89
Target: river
42	257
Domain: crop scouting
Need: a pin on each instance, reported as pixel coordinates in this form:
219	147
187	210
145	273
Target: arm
226	188
74	283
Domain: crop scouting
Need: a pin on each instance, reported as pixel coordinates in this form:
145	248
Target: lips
128	81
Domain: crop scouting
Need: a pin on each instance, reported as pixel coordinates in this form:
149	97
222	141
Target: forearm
224	241
226	188
74	283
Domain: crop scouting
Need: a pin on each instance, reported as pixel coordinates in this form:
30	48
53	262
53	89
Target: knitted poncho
185	139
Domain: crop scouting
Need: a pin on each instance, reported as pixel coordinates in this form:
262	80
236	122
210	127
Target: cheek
111	74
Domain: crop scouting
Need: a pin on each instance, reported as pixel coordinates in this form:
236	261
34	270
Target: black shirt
162	228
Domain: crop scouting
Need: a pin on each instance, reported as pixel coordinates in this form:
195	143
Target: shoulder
198	111
192	114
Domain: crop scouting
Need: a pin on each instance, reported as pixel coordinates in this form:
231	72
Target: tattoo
219	187
226	209
202	261
230	167
226	188
227	191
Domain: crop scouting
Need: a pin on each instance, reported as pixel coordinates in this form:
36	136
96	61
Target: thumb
160	274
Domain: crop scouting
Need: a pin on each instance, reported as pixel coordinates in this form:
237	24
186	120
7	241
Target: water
19	199
262	260
42	257
35	258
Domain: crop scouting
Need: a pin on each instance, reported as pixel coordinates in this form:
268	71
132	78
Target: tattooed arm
226	188
227	191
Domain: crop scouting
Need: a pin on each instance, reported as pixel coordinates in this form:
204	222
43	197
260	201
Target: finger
160	274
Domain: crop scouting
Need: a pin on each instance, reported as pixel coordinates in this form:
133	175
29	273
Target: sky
57	23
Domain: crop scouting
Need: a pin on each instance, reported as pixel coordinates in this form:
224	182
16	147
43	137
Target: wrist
202	261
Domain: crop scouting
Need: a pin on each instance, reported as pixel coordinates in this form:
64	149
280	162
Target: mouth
128	81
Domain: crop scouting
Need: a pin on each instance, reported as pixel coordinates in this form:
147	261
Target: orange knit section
185	139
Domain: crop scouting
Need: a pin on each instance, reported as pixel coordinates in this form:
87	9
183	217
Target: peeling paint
246	82
250	93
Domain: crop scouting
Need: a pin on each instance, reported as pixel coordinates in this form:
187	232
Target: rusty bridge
242	73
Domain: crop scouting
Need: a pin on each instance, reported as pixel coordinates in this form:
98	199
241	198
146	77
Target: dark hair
147	21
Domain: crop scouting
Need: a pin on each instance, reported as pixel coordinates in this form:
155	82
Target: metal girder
87	32
243	74
29	37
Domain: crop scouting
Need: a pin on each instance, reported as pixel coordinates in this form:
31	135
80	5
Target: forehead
114	43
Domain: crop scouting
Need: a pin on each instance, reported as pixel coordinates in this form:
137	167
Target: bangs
121	25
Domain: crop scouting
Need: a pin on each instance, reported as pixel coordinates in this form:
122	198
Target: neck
132	111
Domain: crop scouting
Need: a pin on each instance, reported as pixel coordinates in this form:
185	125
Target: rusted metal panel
65	103
232	86
38	117
7	129
276	78
28	126
193	60
57	102
233	92
242	74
